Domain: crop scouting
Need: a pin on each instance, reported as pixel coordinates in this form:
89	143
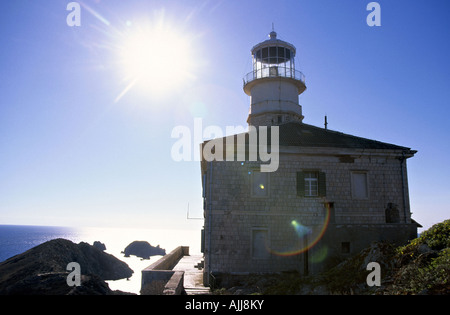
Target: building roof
295	134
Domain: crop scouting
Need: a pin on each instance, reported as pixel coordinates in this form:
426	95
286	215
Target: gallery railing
273	72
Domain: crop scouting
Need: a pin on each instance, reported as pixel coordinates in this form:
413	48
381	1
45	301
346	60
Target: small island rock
143	249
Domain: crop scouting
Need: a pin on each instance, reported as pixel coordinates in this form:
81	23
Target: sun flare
156	58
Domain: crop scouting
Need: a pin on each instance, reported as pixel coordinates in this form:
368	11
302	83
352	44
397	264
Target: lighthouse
331	195
274	84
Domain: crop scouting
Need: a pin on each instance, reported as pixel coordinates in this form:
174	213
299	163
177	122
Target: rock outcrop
42	269
99	245
54	283
143	249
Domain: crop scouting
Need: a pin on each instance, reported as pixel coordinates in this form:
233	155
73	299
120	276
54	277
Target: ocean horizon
17	239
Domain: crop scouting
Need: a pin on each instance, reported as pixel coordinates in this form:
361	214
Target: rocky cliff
42	269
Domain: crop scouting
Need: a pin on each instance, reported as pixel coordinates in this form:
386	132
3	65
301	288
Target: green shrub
426	271
434	278
437	237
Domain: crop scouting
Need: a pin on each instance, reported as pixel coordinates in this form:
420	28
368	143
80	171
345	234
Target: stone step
197	291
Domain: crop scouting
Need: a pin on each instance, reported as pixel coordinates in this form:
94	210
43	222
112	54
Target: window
311	184
392	214
281	57
288	54
273	55
265	54
345	247
273	71
359	185
260	239
258	55
260	184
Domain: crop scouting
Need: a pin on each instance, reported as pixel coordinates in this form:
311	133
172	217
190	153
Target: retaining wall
159	278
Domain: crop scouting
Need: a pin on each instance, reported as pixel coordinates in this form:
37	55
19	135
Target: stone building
327	196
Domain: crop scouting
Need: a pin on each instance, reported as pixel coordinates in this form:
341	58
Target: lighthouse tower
274	84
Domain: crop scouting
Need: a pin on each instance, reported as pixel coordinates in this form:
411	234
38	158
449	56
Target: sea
16	239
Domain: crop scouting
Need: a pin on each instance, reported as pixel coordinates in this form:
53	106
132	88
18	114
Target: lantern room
274	58
274	84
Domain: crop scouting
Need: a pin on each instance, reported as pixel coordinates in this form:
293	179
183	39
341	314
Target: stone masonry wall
237	217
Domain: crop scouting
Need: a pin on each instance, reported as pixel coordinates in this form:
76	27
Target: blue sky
75	149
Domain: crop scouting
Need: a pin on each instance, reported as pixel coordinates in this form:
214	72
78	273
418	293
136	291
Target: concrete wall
159	278
273	98
275	89
167	262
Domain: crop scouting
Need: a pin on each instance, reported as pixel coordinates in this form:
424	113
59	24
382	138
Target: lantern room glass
273	61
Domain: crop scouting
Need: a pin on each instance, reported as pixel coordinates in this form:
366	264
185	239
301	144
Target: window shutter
322	184
300	184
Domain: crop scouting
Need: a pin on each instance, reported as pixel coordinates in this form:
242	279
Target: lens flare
300	229
307	237
319	254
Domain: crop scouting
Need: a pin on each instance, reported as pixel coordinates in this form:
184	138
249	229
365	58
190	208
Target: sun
155	58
